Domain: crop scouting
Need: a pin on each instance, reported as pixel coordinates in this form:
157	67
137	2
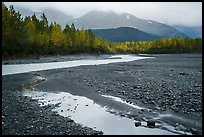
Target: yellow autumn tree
31	30
57	37
82	36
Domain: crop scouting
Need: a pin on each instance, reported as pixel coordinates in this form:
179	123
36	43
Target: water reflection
88	113
124	102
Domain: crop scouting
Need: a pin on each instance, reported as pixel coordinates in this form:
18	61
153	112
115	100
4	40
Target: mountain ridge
102	20
123	34
192	32
109	19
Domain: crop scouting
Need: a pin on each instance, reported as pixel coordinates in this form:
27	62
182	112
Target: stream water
86	112
23	68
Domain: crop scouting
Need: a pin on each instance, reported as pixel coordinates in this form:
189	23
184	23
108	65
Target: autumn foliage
30	36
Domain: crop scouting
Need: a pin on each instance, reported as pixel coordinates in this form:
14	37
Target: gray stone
192	110
151	123
123	92
194	131
138	123
180	128
70	120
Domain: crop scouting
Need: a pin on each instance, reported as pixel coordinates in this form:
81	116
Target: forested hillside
33	37
123	34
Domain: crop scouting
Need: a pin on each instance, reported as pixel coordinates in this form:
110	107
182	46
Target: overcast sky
172	13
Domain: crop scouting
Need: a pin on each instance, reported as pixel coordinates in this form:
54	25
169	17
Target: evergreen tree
36	37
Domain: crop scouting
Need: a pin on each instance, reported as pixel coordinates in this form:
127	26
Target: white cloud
172	13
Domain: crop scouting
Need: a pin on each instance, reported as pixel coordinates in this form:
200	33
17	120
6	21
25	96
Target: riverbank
55	58
167	84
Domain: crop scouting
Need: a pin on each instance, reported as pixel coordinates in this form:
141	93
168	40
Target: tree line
30	36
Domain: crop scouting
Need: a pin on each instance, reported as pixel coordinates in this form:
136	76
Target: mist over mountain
24	11
57	16
103	20
192	32
108	20
53	15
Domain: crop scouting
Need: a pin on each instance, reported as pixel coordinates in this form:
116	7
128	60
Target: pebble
180	127
159	96
194	131
138	123
123	92
6	63
151	123
192	110
70	120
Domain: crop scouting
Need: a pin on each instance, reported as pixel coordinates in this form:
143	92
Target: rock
123	92
110	90
140	112
99	133
28	127
181	128
192	110
90	84
183	73
157	108
48	126
176	109
152	102
87	105
194	131
137	87
151	123
138	123
70	120
150	110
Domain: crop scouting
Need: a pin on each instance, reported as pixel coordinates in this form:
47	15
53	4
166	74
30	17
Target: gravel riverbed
166	84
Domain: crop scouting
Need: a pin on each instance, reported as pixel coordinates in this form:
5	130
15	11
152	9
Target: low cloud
172	13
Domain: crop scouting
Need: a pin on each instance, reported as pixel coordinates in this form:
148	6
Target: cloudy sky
172	13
